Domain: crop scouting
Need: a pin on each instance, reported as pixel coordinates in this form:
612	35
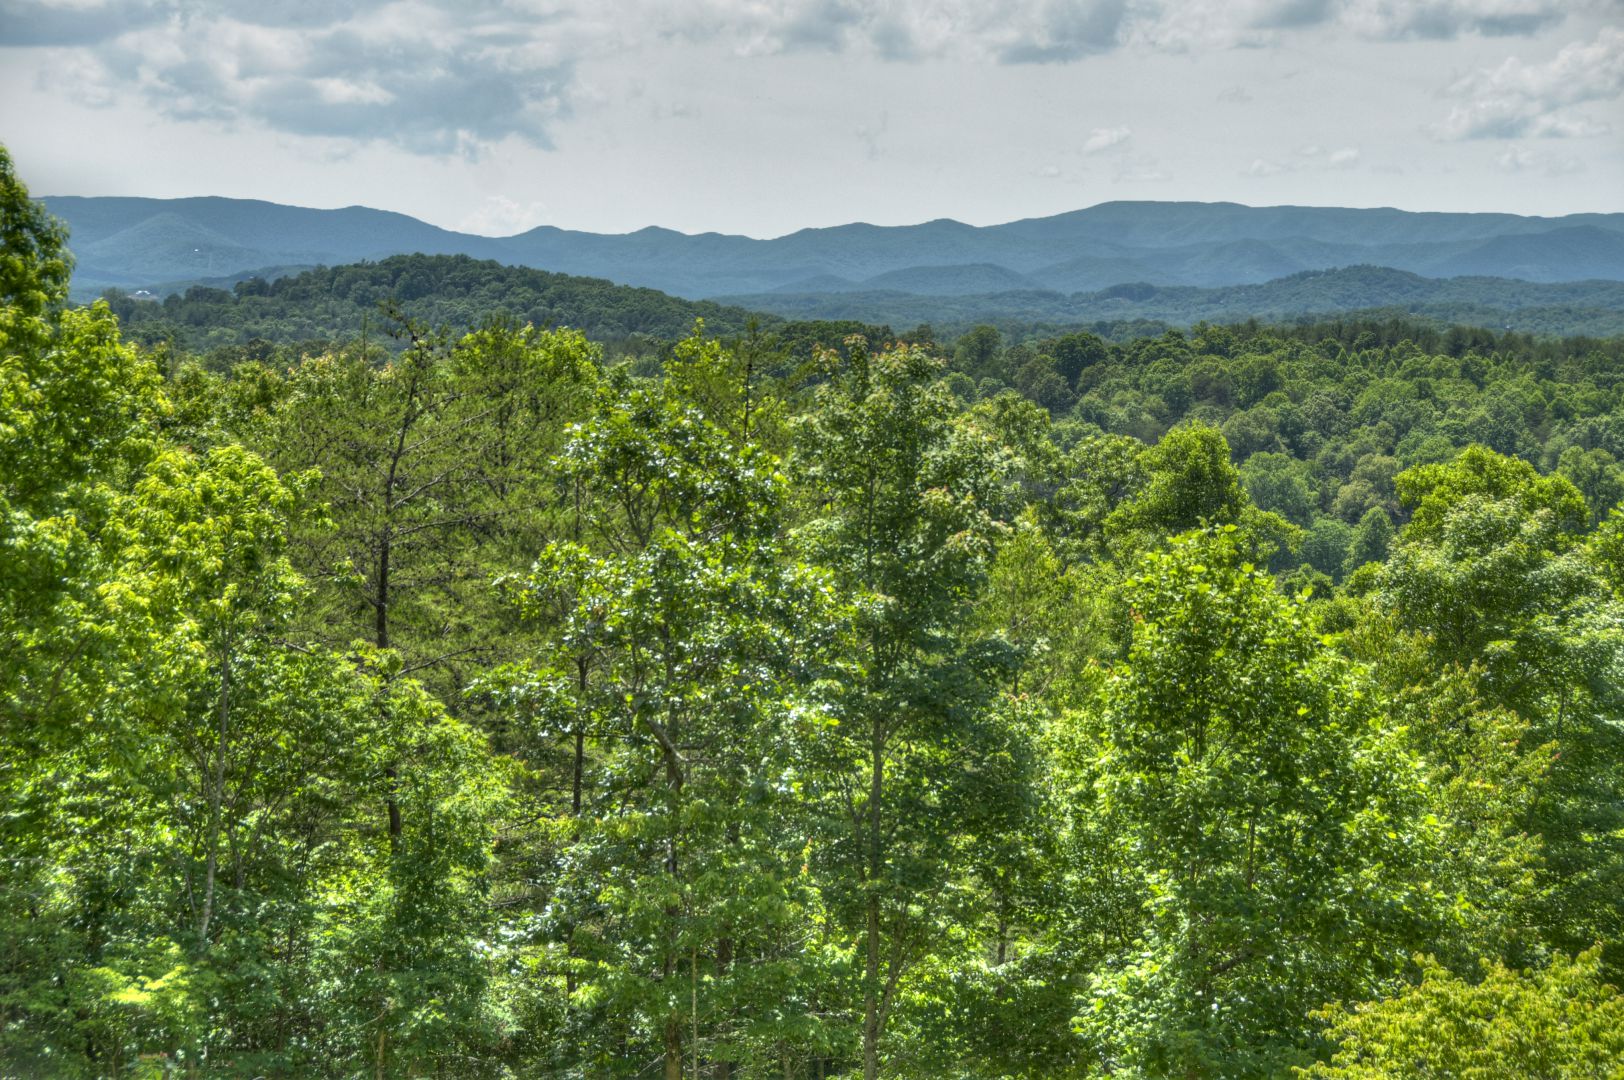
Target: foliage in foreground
482	709
1561	1022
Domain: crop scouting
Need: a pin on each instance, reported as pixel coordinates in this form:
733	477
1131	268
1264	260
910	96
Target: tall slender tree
903	522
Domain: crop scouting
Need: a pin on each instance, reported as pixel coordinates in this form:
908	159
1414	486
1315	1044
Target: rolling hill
460	292
453	291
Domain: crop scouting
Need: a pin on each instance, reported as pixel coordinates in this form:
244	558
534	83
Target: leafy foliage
1274	825
803	703
1560	1022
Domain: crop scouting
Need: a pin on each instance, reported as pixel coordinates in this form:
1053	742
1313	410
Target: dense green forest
339	303
445	290
804	702
954	304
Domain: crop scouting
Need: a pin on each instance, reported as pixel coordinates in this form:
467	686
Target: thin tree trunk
575	809
216	796
871	960
693	1006
380	629
673	1022
724	962
580	739
724	958
392	774
381	639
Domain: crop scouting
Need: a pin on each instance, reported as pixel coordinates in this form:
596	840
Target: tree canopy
802	701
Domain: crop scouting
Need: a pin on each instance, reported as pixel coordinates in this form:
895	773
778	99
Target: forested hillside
332	304
955	301
1243	702
337	303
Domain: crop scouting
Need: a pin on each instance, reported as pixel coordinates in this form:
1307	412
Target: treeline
488	709
342	303
1546	309
363	307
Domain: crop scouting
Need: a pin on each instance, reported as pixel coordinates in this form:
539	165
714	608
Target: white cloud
1018	31
428	78
499	215
1192	25
1442	19
1140	170
1274	14
443	77
1310	158
872	136
1516	159
1062	30
1102	139
349	92
459	76
1518	99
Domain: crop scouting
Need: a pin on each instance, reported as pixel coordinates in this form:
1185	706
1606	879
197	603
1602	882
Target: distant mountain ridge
140	243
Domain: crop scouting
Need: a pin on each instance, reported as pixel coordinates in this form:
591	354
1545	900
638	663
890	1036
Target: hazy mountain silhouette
135	243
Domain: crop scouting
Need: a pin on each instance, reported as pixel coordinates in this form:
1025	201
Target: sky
765	116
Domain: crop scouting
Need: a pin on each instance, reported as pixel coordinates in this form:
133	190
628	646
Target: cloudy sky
764	116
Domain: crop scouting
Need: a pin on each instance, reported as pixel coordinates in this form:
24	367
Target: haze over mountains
135	243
